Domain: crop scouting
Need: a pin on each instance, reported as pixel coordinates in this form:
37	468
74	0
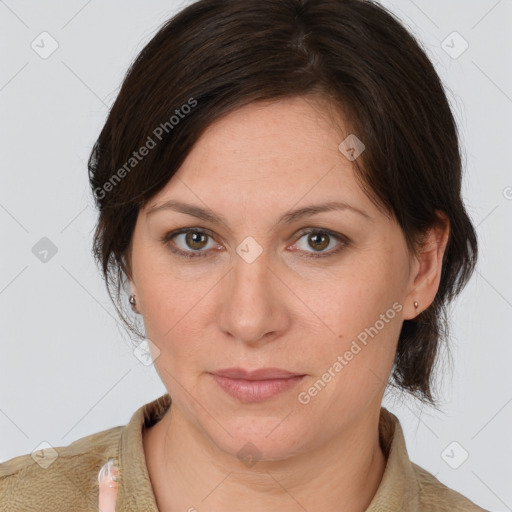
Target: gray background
66	367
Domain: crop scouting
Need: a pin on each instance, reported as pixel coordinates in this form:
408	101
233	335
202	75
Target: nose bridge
251	269
250	309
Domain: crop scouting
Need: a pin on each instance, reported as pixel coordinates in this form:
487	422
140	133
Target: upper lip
259	374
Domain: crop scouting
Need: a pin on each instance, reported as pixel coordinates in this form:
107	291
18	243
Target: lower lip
255	390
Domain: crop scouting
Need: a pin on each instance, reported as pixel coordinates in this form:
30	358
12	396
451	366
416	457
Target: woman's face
248	291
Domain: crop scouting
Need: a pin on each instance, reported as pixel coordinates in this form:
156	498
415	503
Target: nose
254	307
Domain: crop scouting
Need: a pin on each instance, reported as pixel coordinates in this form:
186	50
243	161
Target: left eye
319	240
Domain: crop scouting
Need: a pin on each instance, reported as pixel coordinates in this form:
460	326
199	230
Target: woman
279	189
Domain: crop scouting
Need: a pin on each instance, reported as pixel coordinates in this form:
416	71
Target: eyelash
344	242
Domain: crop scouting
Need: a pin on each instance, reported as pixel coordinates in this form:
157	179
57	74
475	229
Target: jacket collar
134	485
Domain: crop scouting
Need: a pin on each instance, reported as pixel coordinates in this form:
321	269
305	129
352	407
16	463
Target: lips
255	385
259	374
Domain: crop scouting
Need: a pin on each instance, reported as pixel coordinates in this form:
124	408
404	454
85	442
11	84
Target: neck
188	472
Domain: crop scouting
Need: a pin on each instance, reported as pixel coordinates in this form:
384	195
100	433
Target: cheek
353	368
354	296
171	311
167	288
359	321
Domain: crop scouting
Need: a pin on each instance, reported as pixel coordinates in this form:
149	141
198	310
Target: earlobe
133	303
133	298
131	290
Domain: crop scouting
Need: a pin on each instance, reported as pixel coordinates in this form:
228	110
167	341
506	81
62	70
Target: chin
253	439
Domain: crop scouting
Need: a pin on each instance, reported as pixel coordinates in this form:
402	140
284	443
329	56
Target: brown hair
218	55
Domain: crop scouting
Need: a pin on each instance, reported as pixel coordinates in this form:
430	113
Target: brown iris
193	239
318	236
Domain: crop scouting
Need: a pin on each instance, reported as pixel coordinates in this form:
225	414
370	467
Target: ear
427	267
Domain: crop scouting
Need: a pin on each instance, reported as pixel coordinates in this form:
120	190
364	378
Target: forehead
264	135
268	155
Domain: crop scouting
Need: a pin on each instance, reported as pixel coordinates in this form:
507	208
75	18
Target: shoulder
406	485
58	478
435	496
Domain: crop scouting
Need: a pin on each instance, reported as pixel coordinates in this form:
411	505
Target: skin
284	309
107	488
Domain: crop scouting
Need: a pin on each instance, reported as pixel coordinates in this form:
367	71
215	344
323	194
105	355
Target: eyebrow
292	216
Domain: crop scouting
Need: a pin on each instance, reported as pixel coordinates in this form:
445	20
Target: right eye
189	238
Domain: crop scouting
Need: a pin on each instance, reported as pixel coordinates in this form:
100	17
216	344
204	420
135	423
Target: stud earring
131	300
415	304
